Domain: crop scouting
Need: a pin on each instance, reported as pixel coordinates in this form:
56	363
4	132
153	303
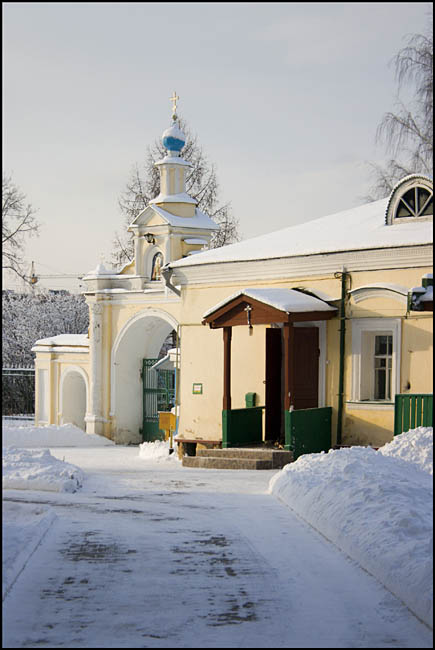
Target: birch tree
407	132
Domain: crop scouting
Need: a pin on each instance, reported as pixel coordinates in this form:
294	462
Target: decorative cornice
414	256
59	349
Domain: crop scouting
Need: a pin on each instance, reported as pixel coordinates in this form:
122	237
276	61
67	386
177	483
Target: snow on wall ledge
359	499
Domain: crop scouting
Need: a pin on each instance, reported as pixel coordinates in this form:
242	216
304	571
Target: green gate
158	395
308	431
412	411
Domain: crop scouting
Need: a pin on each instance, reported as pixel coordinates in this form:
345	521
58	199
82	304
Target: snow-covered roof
173	160
286	300
428	295
391	286
359	228
182	197
72	340
100	270
195	240
169	362
199	220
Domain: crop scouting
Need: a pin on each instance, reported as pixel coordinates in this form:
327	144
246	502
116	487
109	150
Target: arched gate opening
141	339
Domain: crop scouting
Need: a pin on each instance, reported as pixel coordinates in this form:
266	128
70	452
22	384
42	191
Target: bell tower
171	226
173	196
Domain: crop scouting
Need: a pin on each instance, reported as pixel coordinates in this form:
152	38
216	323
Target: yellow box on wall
167	421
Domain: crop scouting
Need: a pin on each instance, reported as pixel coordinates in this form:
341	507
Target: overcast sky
285	99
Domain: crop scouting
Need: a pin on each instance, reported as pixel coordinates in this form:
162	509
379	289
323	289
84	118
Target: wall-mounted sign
197	389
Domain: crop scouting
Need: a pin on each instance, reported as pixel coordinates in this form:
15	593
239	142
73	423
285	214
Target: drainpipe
343	275
167	273
177	381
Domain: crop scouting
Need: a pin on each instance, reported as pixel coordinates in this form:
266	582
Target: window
383	363
412	198
416	202
375	359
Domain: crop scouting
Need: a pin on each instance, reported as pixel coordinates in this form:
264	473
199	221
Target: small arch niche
74	399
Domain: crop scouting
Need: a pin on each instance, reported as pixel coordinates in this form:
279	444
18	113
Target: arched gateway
132	311
142	337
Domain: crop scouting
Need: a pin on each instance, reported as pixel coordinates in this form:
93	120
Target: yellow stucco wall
202	355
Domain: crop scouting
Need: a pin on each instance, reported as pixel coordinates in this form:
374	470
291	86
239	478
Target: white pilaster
94	416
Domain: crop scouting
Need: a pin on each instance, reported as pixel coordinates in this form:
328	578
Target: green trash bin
250	399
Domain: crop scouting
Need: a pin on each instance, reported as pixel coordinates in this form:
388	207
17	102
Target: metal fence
18	391
412	411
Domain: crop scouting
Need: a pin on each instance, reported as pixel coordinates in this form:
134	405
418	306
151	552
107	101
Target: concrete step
278	457
212	462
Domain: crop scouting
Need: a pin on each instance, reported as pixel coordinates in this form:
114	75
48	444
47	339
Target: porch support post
289	369
227	369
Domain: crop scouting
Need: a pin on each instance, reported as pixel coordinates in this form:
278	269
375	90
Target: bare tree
18	222
408	132
201	183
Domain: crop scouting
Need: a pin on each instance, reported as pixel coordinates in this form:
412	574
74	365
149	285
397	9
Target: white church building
301	337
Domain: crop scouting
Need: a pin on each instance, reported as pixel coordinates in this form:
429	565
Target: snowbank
158	451
415	446
26	469
66	435
374	505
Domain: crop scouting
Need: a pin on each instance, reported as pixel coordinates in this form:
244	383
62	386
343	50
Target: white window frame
362	383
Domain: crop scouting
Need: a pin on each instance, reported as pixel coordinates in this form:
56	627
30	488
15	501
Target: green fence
242	427
412	411
308	431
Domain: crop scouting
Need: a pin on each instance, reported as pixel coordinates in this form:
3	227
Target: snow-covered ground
19	434
374	505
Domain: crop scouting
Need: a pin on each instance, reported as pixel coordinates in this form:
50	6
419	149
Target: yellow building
302	337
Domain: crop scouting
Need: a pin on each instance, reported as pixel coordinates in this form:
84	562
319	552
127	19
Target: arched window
416	202
412	198
157	266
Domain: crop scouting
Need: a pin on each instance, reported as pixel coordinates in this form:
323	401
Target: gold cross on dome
174	99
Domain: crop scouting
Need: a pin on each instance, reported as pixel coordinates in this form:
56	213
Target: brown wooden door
274	405
306	351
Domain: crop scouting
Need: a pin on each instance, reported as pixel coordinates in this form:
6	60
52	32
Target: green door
158	395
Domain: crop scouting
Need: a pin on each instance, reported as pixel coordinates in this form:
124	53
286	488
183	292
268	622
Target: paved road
188	558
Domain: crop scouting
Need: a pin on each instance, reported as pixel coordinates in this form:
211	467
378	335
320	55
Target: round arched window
416	202
412	198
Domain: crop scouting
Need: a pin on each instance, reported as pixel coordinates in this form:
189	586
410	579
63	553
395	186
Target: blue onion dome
174	139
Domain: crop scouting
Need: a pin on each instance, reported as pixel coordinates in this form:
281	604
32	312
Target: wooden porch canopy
265	306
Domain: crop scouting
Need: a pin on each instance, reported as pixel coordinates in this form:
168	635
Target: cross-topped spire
174	99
